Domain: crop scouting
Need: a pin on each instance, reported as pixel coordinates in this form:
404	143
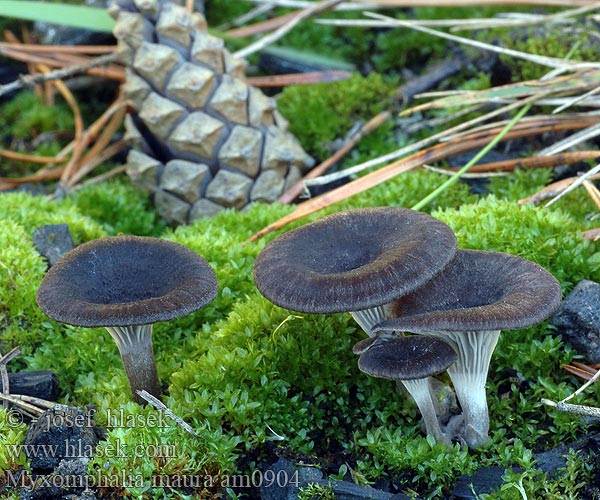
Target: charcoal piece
62	433
53	241
41	384
578	320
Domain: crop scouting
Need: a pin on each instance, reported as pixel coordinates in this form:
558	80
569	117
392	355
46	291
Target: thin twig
4	373
586	411
30	81
159	405
20	402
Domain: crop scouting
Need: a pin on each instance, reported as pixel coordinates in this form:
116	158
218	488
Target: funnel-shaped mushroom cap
478	291
406	358
125	281
353	260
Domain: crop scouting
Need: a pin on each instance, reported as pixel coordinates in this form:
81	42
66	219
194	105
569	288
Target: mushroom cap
406	358
353	260
477	291
126	281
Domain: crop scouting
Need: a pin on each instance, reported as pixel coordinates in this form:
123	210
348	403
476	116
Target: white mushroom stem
469	375
135	346
420	391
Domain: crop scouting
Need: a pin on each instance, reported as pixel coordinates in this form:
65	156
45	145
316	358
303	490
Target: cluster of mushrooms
425	305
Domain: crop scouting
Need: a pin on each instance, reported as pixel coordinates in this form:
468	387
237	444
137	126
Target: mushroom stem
135	347
420	391
367	318
469	374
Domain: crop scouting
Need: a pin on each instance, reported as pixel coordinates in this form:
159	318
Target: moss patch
245	373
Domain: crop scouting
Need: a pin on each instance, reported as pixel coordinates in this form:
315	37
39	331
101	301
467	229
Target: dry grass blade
385	4
295	191
593	192
58	49
580	370
553	190
552	62
101	151
78	122
45	174
535	162
592	234
300	16
101	131
106	154
472	23
434	153
423	143
14	155
561	85
298	78
576	183
102	177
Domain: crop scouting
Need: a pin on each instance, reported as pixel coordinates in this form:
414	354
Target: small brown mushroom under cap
406	358
409	361
353	260
126	284
466	305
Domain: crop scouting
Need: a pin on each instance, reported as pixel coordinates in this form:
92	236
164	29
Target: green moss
119	207
569	482
26	116
314	491
320	116
12	433
224	11
21	271
33	212
244	372
155	453
550	40
549	237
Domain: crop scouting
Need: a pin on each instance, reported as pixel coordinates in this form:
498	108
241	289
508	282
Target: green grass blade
455	178
78	16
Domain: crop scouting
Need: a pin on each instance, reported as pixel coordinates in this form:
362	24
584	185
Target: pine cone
202	138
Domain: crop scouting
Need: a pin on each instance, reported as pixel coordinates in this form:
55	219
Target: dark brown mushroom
410	361
354	260
466	305
126	284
